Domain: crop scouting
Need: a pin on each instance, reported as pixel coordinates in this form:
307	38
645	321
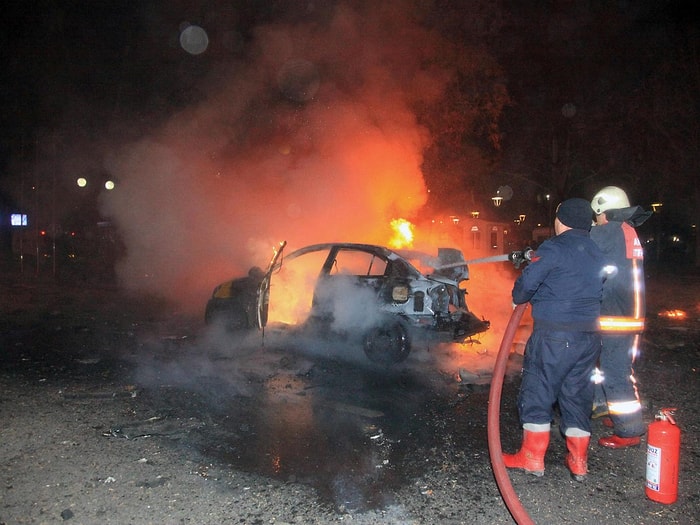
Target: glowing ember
403	234
673	314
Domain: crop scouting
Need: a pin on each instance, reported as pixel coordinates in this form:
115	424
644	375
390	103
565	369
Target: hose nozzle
519	257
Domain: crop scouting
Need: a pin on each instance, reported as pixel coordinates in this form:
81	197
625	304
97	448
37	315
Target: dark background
553	97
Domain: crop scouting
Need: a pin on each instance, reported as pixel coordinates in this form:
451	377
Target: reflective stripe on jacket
623	307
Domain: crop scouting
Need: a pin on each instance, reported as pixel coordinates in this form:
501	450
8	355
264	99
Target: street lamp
503	193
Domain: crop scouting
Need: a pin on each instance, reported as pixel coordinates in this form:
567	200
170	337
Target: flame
673	314
402	234
292	289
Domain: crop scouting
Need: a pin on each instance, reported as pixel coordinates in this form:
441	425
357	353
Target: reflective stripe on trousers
621	324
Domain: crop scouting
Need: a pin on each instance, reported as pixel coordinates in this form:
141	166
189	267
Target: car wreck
364	293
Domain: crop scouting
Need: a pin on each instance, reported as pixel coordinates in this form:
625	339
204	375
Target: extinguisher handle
668	414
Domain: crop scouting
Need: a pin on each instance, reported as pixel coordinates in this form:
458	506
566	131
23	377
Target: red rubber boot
577	458
530	457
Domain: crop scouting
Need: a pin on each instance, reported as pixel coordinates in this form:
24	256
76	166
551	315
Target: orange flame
402	234
673	314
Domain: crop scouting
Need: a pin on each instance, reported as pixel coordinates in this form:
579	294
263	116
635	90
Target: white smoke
311	138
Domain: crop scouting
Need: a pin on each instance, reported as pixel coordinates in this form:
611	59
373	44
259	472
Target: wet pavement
405	444
354	431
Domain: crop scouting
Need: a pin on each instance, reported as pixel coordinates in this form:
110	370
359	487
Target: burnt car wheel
387	343
232	316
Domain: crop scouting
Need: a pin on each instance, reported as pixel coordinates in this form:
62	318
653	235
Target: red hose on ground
516	509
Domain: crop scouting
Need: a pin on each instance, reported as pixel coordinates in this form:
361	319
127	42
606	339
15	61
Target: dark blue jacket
623	293
564	283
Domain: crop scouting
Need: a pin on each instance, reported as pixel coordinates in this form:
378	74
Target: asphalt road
118	409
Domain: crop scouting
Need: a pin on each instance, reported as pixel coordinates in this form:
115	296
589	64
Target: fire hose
511	499
517	257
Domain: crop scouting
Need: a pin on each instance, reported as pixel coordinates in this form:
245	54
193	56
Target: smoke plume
310	138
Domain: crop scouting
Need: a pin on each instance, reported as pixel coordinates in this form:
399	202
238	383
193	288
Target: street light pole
548	198
53	222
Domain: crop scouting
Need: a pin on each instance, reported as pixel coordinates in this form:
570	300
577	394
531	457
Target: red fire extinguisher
663	458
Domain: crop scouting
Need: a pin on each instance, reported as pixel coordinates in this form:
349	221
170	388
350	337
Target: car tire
387	343
233	318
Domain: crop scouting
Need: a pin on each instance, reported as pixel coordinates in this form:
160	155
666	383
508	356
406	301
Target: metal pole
21	227
53	222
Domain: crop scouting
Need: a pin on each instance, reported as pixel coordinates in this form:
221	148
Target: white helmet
609	198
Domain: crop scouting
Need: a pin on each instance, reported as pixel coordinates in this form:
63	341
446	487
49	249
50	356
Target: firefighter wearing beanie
564	285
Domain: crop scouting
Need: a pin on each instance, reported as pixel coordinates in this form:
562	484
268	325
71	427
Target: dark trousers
618	386
557	368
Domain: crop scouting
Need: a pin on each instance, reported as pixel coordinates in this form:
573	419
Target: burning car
364	293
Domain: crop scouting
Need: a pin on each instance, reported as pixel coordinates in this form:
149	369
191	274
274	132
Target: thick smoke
312	138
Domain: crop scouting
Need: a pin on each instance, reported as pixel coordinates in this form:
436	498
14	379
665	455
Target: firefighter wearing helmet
622	315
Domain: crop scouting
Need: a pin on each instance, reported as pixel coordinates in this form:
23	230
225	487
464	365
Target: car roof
382	250
405	256
379	250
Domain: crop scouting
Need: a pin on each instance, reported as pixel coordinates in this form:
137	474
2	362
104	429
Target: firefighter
622	315
564	284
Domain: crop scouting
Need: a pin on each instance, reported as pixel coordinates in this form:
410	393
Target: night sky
228	124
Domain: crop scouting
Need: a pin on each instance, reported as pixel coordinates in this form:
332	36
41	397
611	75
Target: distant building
479	237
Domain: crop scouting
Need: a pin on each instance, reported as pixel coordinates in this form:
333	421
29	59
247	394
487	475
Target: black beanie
576	213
